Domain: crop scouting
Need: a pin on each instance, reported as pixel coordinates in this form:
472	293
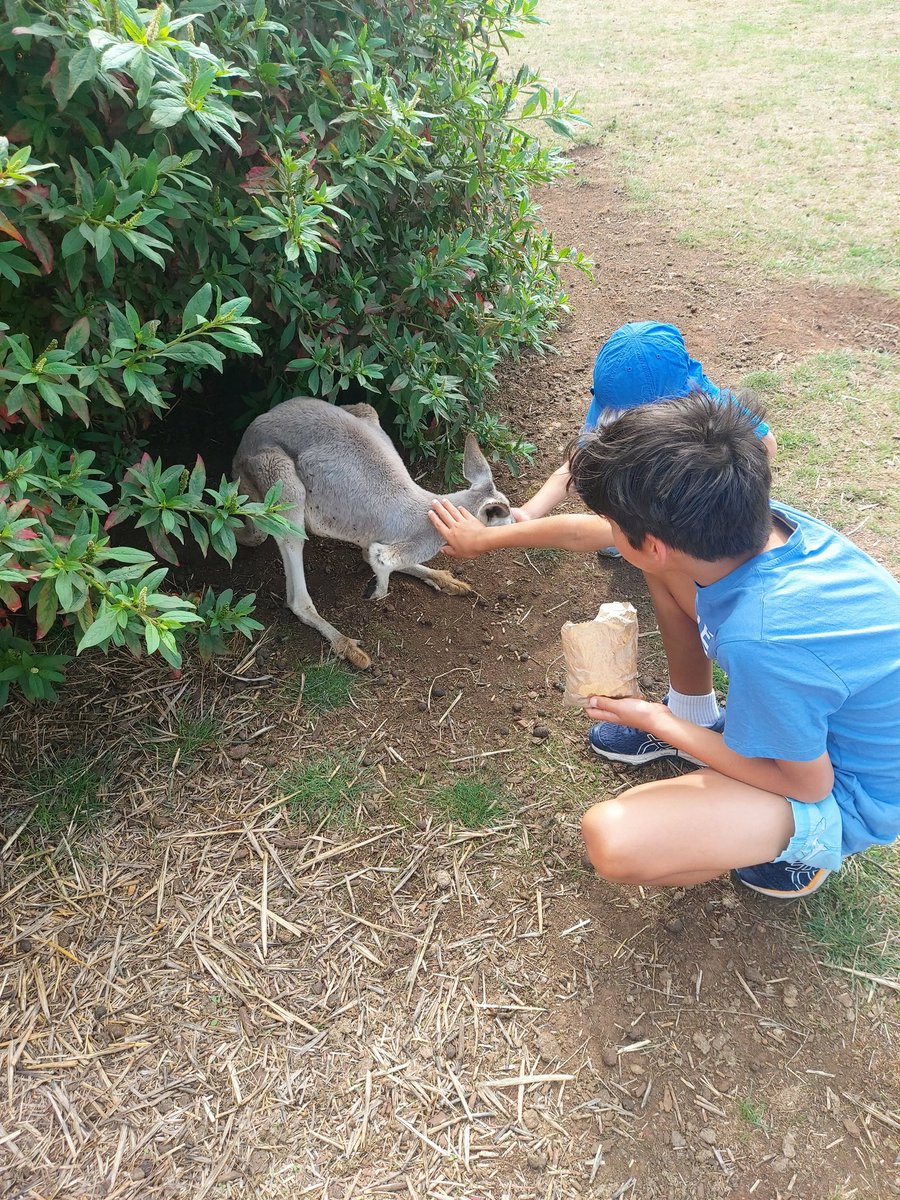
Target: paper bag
602	655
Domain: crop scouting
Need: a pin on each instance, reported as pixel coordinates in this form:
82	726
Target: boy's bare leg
679	832
674	600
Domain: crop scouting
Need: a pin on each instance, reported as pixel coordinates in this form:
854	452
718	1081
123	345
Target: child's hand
462	532
519	514
630	710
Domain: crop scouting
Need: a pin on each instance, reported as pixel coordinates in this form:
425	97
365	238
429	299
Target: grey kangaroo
343	479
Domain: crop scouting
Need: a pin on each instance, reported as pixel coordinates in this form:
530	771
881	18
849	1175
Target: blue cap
643	362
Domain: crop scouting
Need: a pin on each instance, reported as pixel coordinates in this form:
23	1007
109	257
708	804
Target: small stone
269	760
258	1162
851	1126
647	683
438	692
372	759
64	939
675	925
524	656
517	707
422	706
727	924
753	974
610	1056
503	730
789	1146
702	1043
548	1047
709	1136
238	751
536	1160
678	1142
317	987
531	1119
789	995
443	880
540	732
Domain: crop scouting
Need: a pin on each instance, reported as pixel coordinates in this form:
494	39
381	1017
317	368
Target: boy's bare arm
466	537
553	491
808	782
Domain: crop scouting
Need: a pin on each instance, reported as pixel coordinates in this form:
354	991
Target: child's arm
808	782
466	537
553	491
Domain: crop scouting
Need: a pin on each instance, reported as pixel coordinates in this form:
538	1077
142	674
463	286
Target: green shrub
338	189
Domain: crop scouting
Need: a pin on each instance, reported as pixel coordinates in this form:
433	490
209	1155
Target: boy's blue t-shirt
809	635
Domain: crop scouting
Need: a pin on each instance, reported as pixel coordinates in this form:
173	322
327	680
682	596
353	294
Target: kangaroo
343	479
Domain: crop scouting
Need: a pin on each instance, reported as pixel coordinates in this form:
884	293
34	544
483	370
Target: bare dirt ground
207	995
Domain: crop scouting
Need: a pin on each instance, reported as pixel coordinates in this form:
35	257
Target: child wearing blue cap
643	362
801	771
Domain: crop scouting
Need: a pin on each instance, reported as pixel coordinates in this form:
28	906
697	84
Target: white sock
701	710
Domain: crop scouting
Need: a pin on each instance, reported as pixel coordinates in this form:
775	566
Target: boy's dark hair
690	471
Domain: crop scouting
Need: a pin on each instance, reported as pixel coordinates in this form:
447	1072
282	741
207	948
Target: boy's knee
610	842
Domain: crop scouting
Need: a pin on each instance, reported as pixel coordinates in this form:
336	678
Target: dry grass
767	128
215	994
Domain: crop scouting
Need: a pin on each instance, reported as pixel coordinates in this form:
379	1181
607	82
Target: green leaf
78	335
166	113
83	66
197	307
197	353
101	629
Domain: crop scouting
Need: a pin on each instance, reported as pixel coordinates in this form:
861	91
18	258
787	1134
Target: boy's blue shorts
817	834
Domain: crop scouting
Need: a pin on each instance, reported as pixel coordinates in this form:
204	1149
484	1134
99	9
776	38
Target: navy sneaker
608	552
782	880
624	743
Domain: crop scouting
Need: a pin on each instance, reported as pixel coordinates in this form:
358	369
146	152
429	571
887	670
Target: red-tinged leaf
40	244
258	181
249	143
31	409
162	546
115	516
47	606
10	598
7	227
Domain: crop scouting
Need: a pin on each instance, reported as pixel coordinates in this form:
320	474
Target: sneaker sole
774	894
634	759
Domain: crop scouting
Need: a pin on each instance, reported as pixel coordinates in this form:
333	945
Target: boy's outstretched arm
552	491
466	537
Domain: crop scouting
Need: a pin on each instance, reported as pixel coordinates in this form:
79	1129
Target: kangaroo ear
476	467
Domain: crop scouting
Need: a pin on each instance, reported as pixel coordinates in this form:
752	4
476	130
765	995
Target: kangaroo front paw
349	649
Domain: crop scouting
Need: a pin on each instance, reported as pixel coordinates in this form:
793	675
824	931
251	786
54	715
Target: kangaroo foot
348	648
445	582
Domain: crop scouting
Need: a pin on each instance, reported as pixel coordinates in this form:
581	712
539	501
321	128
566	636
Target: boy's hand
630	710
519	514
462	533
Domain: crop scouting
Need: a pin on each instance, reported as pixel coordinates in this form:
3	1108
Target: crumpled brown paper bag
602	655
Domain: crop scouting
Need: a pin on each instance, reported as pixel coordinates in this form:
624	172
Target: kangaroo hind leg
278	466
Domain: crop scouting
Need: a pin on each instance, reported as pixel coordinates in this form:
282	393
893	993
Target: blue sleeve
761	427
781	697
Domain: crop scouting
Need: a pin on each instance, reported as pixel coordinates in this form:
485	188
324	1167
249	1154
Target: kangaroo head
485	502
